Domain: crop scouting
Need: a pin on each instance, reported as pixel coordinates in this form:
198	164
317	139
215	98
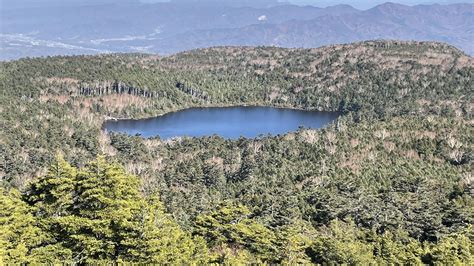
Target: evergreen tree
342	243
294	240
454	249
18	230
398	248
97	214
231	226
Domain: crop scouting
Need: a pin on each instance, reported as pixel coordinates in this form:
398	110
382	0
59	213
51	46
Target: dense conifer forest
389	182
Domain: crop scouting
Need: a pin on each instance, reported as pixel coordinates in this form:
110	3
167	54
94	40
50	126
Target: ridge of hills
167	28
389	182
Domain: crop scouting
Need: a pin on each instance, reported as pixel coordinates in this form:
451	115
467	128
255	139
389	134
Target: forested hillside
389	182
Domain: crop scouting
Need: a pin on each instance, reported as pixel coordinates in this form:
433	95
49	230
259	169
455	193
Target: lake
228	122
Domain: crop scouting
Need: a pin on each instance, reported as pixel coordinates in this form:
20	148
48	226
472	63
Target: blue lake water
228	122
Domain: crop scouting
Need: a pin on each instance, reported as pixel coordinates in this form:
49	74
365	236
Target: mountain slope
450	23
370	79
389	182
167	28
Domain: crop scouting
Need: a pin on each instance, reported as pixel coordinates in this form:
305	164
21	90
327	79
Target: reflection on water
228	122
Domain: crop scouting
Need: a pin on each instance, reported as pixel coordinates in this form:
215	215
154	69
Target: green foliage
53	194
231	226
91	215
398	248
19	232
294	242
455	249
342	243
164	242
397	163
96	214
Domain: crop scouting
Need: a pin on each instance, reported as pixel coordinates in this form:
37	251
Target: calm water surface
228	122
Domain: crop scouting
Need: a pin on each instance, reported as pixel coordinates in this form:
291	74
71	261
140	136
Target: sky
364	4
361	4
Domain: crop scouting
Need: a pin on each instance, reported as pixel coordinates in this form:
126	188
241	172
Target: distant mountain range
164	28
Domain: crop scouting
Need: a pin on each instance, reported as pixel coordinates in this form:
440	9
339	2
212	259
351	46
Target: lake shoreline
110	118
230	122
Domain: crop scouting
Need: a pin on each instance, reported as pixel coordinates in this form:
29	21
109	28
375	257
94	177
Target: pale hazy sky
362	4
372	3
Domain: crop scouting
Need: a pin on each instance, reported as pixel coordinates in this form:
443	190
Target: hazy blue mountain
447	23
234	3
78	27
